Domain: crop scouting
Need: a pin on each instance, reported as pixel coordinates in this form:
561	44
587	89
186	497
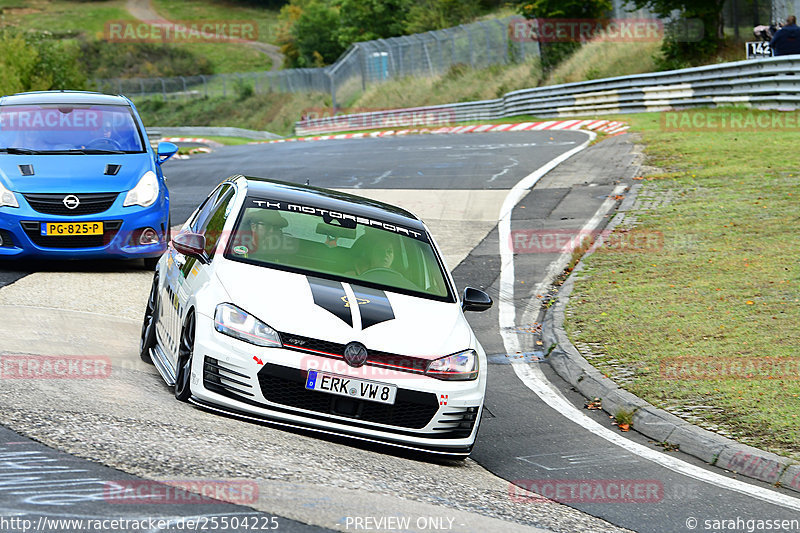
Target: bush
243	89
33	62
428	15
141	60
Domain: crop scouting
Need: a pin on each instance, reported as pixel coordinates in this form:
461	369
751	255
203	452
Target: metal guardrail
214	131
762	83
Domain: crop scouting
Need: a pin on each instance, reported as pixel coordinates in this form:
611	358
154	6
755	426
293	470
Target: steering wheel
102	143
382	269
388	276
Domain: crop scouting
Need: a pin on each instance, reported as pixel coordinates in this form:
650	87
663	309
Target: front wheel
183	387
147	340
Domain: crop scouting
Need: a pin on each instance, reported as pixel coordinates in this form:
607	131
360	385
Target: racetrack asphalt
131	421
521	437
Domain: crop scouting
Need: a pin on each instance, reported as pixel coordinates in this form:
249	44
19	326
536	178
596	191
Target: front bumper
269	384
20	232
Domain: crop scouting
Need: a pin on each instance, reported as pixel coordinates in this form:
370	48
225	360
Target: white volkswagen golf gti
312	308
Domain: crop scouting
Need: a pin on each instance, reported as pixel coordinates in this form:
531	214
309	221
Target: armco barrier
763	83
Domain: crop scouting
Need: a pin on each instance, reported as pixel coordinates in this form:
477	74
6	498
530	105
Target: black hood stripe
330	296
373	305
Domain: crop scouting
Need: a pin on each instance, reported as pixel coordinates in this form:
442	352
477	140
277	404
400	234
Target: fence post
504	34
471	47
362	61
185	91
440	49
428	56
163	88
333	90
488	41
205	84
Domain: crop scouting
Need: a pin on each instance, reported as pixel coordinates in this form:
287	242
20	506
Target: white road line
535	380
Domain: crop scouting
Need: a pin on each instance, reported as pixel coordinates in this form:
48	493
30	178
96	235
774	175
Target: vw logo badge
71	201
355	354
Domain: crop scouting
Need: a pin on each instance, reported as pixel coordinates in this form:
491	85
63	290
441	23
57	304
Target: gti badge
355	354
71	201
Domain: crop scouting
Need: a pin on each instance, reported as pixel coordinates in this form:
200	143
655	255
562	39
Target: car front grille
403	363
286	386
33	231
53	204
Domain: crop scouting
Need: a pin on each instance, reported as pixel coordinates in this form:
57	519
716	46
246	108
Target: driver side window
211	227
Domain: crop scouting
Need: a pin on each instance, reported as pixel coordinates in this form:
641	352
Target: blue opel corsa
79	179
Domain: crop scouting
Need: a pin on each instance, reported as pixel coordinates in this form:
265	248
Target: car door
186	274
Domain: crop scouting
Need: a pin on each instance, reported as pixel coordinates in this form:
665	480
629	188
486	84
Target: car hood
73	173
314	307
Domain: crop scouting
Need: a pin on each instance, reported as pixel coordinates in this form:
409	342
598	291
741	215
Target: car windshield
317	241
59	128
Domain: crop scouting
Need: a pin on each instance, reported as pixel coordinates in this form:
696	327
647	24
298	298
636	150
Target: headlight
7	198
145	193
460	366
231	320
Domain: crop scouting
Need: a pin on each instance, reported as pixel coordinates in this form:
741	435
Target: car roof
331	200
63	97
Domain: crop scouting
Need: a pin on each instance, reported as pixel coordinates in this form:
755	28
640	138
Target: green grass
599	59
64	16
275	112
278	112
460	84
185	10
723	289
230	57
229	141
75	18
226	57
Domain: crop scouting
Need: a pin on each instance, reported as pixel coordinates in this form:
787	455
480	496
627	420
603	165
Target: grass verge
229	141
275	112
704	324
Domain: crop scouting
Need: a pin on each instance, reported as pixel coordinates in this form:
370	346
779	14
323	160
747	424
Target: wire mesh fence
479	44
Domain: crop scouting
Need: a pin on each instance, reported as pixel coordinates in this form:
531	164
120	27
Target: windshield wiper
76	151
25	151
101	151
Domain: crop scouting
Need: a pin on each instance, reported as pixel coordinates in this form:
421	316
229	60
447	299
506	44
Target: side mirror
475	300
190	244
165	151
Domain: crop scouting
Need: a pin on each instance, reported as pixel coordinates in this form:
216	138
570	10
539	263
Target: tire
147	339
183	378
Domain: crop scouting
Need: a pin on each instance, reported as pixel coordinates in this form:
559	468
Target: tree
570	9
683	44
555	52
365	20
33	62
428	15
315	35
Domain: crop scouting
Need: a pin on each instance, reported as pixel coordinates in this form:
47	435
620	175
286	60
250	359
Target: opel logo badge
355	354
71	201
